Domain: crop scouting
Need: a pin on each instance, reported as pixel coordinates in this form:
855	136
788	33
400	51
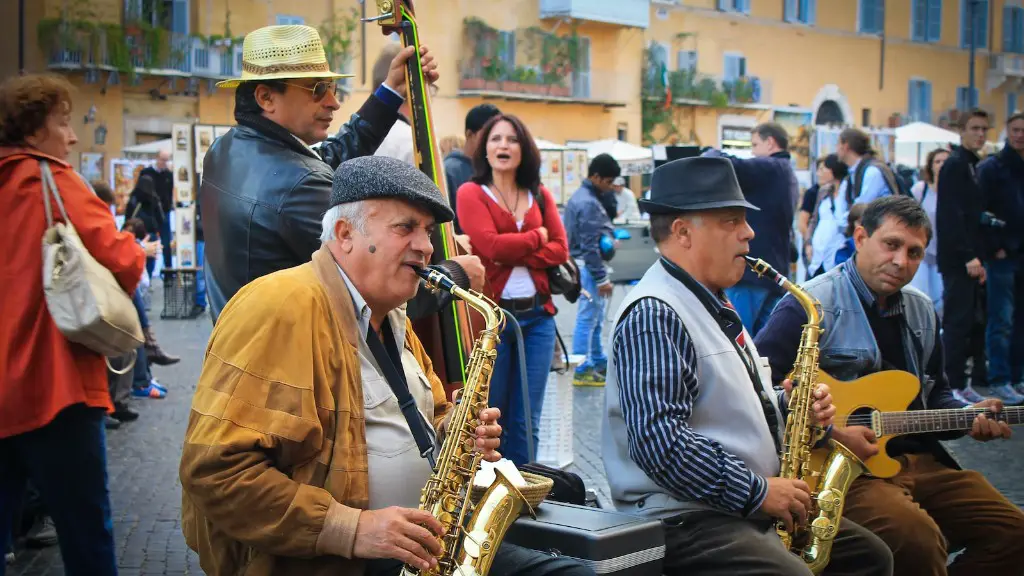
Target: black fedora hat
699	183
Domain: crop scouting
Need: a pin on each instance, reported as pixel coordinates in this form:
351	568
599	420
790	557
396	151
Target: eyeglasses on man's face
321	88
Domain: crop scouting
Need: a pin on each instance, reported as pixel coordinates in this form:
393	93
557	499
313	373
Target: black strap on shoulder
388	358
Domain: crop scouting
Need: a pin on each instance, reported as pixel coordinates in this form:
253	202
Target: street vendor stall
562	168
634	160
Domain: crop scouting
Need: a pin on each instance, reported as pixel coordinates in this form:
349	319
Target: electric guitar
448	337
879	401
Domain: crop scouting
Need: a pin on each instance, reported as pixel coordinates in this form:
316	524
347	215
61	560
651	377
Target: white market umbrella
925	136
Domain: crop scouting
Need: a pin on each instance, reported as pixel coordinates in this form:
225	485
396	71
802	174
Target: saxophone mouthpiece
436	280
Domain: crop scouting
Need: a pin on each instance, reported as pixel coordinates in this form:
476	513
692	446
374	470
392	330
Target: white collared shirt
397	472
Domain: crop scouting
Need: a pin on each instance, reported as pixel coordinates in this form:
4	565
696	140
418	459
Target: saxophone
468	547
829	479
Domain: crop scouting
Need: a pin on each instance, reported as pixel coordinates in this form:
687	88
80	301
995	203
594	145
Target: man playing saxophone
298	458
691	432
873	320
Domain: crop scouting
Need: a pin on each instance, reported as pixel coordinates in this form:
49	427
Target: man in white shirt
626	201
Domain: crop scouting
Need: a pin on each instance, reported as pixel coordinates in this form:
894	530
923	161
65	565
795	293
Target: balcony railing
588	87
689	87
1007	64
633	13
184	55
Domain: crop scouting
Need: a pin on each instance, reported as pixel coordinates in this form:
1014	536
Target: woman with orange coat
53	393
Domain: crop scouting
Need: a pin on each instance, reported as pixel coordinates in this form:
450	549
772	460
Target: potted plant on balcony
336	36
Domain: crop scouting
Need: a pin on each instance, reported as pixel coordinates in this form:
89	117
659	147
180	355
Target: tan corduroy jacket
280	367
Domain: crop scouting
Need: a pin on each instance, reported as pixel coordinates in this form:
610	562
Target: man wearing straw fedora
265	187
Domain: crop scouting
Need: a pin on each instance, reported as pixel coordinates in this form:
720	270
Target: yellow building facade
696	72
498	50
850	62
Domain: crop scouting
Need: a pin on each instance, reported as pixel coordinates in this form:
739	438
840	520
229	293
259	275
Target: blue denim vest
848	349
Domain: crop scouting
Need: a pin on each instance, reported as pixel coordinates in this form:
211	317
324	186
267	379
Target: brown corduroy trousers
930	509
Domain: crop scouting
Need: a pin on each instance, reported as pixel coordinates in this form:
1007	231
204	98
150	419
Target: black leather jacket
264	194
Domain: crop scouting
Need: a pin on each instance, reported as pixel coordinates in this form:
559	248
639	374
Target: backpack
564	278
897	184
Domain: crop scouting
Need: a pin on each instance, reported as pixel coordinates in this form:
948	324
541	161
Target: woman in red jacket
513	224
53	394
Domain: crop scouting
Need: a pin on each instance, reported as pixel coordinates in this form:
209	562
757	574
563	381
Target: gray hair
661	224
353	212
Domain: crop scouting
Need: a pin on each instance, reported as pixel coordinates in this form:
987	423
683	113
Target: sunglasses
320	89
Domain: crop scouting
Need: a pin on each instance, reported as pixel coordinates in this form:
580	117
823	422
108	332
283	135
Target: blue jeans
66	460
200	276
586	337
1004	341
753	304
165	238
151	262
538	329
140	307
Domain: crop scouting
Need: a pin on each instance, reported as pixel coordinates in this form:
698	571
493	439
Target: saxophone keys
829	500
823	528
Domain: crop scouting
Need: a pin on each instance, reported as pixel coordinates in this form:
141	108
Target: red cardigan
41	372
501	246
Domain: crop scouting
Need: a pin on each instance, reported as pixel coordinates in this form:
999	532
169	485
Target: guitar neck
947	420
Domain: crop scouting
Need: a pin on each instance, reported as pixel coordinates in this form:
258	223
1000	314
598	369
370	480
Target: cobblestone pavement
143	460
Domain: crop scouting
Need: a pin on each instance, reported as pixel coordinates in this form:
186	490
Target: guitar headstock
391	14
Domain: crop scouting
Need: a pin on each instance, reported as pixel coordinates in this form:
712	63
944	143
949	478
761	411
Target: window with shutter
920	100
802	11
965	98
285	19
934	20
979	26
735	67
1013	29
871	16
686	60
926	23
1011	104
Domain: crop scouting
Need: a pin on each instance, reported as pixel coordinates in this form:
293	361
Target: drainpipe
21	36
972	5
881	65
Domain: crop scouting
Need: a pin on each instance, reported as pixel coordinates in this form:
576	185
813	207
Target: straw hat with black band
282	53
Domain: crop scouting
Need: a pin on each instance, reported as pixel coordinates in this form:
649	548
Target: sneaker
149	392
968	395
42	534
111	423
1007	394
588	377
153	382
1019	387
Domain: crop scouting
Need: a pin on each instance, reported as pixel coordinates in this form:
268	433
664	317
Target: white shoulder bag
83	297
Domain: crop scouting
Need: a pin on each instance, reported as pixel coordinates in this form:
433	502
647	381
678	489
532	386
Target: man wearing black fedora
692	428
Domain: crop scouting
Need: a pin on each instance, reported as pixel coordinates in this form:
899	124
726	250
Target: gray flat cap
369	177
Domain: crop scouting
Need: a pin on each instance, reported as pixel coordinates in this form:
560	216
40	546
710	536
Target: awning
633	159
924	133
149	148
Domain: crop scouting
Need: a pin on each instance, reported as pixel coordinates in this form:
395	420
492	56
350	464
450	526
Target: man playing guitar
873	321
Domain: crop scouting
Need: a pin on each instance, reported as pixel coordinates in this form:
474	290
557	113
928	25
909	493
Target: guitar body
886	391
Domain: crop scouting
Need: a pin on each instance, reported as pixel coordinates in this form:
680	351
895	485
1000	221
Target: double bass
447	336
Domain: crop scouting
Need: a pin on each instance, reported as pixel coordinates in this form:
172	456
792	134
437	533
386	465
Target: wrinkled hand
976	270
151	247
860	440
488	434
403	534
824	411
474	269
787	499
985	428
396	74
